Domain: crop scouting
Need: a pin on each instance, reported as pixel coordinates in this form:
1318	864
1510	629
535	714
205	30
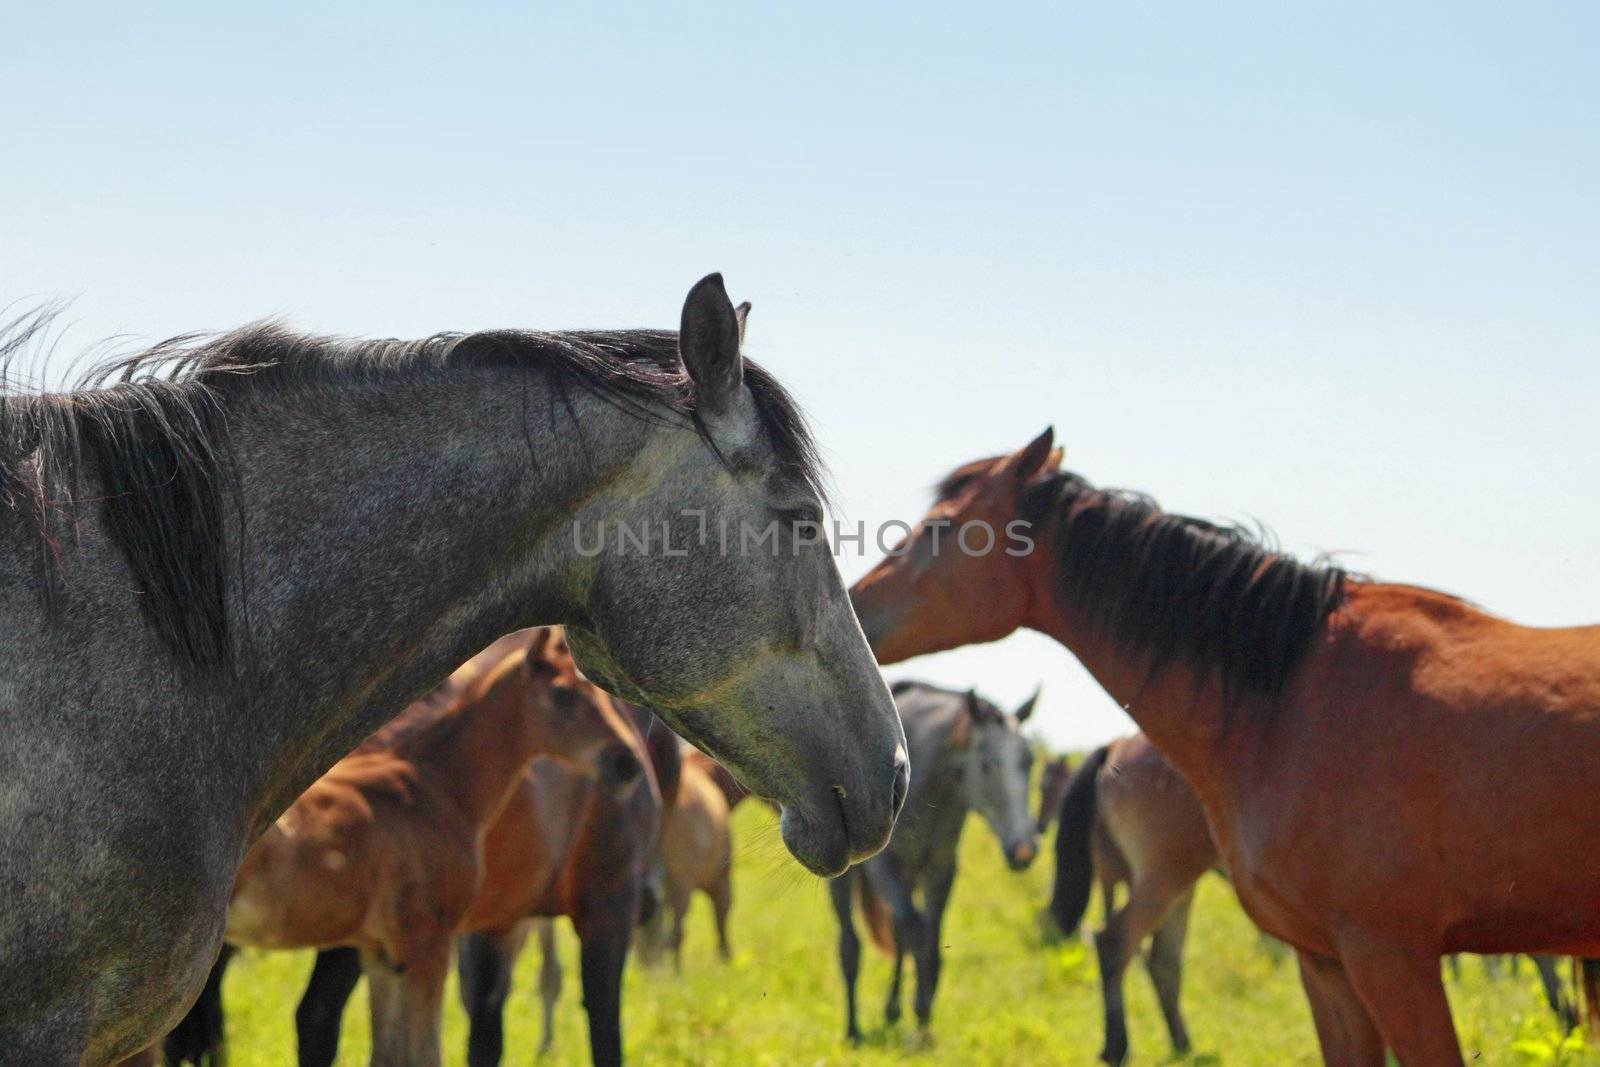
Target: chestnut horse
732	791
561	844
1054	777
385	851
1129	818
696	856
1391	773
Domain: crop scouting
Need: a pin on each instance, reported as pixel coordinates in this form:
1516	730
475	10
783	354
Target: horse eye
805	515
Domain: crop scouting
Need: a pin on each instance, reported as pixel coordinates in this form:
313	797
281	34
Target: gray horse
969	756
228	560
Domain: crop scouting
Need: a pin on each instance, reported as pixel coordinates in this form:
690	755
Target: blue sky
1333	268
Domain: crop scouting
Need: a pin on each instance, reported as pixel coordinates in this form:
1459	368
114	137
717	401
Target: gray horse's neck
929	828
381	533
387	541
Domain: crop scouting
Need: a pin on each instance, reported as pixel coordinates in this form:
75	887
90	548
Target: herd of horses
230	560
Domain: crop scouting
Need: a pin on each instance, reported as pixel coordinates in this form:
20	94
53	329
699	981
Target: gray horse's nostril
902	779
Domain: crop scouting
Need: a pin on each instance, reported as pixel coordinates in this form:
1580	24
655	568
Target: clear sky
1331	267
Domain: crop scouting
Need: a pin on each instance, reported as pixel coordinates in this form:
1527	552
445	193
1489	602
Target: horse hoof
1114	1057
853	1037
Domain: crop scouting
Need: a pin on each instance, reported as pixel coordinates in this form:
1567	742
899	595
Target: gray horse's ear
974	707
1027	705
742	313
708	343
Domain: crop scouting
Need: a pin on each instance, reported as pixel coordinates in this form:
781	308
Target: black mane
1222	599
150	430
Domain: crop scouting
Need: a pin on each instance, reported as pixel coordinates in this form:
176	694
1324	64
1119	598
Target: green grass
1012	993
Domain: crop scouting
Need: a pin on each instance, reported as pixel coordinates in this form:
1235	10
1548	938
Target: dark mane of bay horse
1222	599
154	427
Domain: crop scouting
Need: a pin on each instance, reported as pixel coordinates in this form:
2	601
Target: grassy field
1012	993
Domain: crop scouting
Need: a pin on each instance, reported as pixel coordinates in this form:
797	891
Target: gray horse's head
995	776
732	621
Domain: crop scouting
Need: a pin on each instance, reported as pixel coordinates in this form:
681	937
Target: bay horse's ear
1031	458
1027	705
538	657
708	344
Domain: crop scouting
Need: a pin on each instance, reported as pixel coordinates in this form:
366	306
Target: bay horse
562	843
1389	771
695	856
236	555
732	792
1054	778
970	756
385	852
1128	818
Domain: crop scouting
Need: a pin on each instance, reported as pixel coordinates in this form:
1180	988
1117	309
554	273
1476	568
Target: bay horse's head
730	619
959	577
996	764
1053	781
575	721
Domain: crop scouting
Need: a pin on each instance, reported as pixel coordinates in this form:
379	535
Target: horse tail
1074	845
875	913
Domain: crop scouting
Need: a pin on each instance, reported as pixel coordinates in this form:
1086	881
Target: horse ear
961	732
708	344
1031	459
536	654
974	706
538	641
742	313
1027	705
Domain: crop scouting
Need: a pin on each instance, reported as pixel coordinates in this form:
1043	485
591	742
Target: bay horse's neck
389	533
477	750
1181	713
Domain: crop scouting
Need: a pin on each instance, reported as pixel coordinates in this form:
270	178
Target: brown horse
1054	777
563	847
732	791
385	852
696	855
1129	818
560	846
1391	773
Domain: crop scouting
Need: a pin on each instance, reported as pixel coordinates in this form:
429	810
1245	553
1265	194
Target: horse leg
721	894
199	1036
891	1006
549	984
678	902
1345	1030
1554	994
1165	964
484	961
406	1004
930	958
605	937
888	881
1115	945
839	892
321	1008
1404	994
1589	981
